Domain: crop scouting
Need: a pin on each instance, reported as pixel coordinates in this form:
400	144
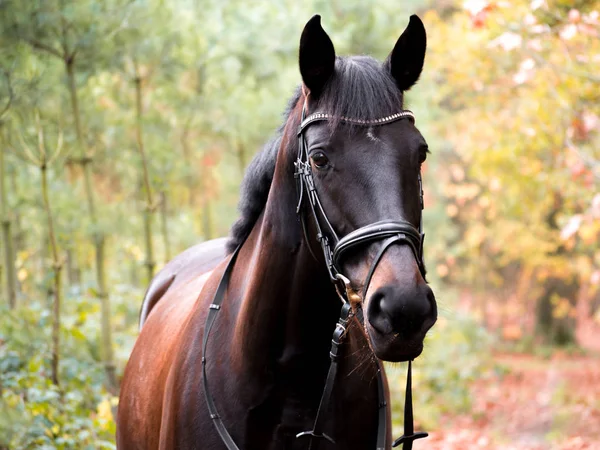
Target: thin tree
149	50
68	50
5	217
164	228
150	205
43	158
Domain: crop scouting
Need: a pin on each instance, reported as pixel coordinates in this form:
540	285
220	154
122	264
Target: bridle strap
386	244
382	425
333	250
338	336
403	231
409	435
320	117
215	307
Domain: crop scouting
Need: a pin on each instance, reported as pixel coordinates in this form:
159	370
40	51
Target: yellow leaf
105	411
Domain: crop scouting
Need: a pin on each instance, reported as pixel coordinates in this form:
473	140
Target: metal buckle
348	295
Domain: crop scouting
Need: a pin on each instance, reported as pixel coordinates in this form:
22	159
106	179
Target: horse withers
330	209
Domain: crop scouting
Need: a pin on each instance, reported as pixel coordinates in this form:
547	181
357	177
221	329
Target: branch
58	149
10	96
41	140
41	46
163	52
110	34
47	158
29	156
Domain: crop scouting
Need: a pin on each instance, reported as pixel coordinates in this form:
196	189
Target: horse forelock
360	89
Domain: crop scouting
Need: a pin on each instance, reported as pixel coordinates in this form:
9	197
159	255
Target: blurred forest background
125	128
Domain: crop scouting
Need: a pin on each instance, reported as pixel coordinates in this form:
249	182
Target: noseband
397	231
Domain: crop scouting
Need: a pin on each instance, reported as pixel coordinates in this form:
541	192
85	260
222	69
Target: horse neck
288	307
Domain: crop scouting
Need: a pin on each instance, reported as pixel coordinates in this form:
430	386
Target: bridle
334	250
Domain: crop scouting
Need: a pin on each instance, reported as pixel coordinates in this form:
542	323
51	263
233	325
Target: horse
235	348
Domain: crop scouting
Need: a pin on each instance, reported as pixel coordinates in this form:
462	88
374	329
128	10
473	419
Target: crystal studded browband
316	117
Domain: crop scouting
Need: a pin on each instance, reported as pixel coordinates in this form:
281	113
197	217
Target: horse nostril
394	309
375	314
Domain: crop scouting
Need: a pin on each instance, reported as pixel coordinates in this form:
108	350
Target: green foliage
78	413
34	413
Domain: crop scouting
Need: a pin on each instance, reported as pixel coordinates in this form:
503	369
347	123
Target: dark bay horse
357	176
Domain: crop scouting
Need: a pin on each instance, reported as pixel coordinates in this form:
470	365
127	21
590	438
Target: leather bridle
334	249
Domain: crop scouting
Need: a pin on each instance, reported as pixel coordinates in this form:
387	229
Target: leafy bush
34	413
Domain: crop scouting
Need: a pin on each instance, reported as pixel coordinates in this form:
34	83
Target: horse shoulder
144	381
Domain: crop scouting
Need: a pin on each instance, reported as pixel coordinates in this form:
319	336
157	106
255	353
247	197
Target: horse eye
319	160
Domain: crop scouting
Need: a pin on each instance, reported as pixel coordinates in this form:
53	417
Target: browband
318	116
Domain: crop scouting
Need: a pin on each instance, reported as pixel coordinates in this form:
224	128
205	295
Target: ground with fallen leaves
538	404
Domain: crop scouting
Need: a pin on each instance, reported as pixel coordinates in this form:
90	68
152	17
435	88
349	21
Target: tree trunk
43	259
164	225
241	156
134	279
557	329
105	316
98	235
187	157
9	259
57	268
73	273
18	234
207	229
150	206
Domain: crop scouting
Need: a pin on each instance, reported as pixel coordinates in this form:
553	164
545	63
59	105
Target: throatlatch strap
215	307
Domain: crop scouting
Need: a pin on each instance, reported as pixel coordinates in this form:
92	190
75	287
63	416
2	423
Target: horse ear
405	63
317	56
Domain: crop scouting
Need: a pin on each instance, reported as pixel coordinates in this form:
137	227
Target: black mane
360	88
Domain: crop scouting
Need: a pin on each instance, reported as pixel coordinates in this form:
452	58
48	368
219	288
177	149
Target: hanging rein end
408	440
409	435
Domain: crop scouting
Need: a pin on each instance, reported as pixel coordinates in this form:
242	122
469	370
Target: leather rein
334	250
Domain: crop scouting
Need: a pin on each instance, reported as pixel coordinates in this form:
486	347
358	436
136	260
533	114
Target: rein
392	232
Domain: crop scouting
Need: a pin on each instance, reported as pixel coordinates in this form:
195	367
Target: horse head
359	164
